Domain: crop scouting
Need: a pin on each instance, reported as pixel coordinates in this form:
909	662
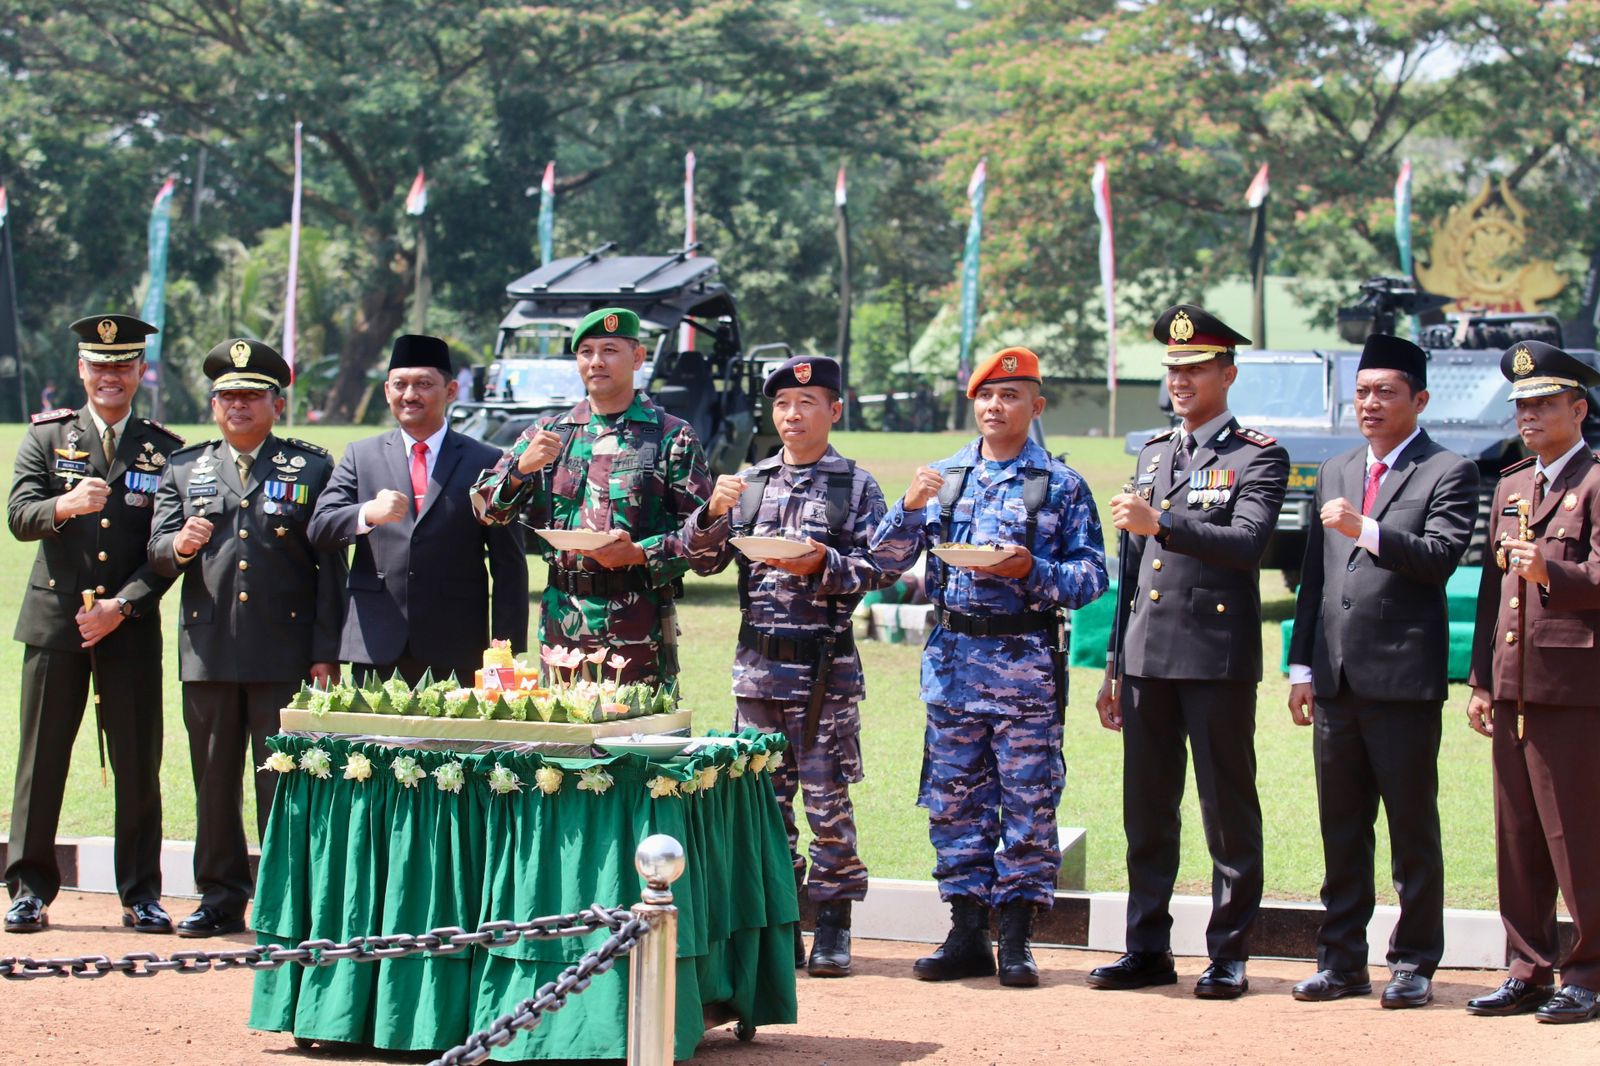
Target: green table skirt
345	857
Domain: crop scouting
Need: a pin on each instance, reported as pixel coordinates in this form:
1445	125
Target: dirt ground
882	1015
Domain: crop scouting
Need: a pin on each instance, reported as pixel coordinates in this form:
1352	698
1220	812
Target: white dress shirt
432	458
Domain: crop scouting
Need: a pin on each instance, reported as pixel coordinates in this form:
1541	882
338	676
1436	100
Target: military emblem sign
802	372
610	323
1182	328
107	330
1009	364
239	353
1521	362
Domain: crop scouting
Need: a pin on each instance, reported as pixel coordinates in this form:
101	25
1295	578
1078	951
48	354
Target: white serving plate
771	547
575	539
648	746
970	556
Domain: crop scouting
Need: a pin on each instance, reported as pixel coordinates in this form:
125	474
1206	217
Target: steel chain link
551	996
447	940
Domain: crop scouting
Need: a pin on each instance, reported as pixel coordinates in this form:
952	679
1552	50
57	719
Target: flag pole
417	205
291	300
842	235
1100	185
12	339
969	290
1257	196
686	331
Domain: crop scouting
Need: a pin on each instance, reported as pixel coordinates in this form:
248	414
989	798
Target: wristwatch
124	608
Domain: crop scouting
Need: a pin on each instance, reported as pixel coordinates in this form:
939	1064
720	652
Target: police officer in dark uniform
1205	499
261	608
84	484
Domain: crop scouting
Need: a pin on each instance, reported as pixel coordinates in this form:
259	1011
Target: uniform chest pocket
567	479
1564	541
1562	633
1217	607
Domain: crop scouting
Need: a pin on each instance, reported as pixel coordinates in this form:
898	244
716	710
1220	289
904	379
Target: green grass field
893	830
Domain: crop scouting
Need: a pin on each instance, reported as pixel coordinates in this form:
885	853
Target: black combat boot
1017	968
799	947
830	944
966	951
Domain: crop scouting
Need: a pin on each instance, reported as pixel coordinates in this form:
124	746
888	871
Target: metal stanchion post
652	970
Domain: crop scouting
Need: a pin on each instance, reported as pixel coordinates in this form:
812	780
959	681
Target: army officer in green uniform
261	608
83	488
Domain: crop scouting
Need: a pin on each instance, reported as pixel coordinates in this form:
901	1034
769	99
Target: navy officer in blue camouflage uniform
993	672
1205	502
797	671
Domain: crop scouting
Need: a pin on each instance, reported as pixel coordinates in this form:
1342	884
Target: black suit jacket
259	603
1381	620
419	585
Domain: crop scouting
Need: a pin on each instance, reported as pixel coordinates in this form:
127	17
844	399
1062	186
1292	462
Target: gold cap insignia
610	323
1009	364
107	330
240	353
802	372
1521	362
1181	329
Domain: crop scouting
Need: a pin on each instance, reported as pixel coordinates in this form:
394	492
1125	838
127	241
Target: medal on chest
71	464
1212	487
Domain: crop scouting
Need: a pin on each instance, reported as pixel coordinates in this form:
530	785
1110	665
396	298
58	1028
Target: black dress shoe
1327	985
1573	1003
1223	979
27	915
1136	969
147	916
1513	997
208	921
1407	988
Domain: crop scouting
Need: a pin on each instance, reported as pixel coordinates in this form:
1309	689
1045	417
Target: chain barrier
551	996
447	940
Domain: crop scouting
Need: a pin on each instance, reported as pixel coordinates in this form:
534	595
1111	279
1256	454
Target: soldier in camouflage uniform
616	462
993	673
796	670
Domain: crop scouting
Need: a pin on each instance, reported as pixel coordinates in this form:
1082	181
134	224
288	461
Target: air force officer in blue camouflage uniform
992	673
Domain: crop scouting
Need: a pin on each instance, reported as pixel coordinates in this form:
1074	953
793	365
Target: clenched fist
724	494
542	449
194	535
86	497
925	485
387	506
1342	516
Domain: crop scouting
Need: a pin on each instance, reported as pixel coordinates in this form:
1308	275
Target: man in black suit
419	593
261	609
1372	642
84	482
1205	501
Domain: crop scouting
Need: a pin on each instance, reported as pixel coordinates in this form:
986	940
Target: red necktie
419	473
1370	496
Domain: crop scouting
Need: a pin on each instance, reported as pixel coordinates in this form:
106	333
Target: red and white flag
838	189
290	300
5	206
1100	184
1256	194
417	198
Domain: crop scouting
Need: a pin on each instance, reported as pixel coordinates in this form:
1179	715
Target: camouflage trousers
823	775
991	784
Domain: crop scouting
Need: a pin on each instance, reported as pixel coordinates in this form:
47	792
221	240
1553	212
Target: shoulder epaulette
1255	436
1518	465
153	424
307	446
52	416
1165	434
195	447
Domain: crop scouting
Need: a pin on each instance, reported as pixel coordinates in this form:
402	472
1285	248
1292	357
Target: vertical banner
547	214
417	207
1256	197
686	331
1100	185
842	234
1402	226
155	294
9	331
291	296
969	287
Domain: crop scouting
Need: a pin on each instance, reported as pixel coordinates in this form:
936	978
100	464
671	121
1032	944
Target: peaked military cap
112	338
241	363
1383	352
1008	364
804	371
1193	335
1535	368
607	322
417	349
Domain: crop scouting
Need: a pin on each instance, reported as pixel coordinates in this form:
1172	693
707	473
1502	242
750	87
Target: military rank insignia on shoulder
153	424
1165	434
188	449
57	415
1518	465
1256	437
307	446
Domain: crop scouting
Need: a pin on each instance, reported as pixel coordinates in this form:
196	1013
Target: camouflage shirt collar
830	462
1032	455
642	409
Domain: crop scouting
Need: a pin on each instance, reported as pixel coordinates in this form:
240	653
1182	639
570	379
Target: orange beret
1008	364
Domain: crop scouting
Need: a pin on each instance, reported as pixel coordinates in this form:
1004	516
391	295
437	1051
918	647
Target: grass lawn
893	830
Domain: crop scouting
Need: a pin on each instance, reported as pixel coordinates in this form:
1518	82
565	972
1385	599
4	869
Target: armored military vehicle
1306	400
697	367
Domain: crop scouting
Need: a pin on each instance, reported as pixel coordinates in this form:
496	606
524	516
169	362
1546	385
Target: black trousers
409	667
226	722
55	690
1367	750
1218	720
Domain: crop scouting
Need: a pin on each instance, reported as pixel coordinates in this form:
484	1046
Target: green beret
607	322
